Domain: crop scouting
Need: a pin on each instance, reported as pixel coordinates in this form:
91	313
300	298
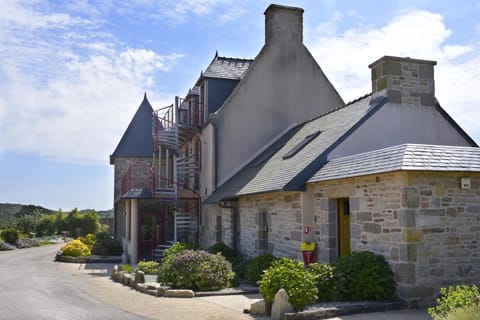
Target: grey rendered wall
218	92
284	86
396	124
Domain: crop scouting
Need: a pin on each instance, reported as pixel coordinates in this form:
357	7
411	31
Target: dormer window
300	145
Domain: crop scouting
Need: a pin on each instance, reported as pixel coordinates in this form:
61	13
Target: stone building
391	173
263	155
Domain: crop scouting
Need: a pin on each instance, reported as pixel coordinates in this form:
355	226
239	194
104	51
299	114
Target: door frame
158	237
343	226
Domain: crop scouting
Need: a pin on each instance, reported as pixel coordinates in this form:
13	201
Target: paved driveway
33	286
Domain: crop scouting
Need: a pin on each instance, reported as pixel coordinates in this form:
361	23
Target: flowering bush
5	246
75	248
176	249
233	256
196	270
27	243
89	240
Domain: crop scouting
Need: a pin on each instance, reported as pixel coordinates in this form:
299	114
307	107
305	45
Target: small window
218	229
263	231
300	145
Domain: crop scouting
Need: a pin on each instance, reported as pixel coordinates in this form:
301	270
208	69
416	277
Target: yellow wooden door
343	206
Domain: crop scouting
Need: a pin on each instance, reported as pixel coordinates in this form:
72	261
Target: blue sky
73	73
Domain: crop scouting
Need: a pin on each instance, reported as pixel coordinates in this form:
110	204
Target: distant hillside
8	211
101	213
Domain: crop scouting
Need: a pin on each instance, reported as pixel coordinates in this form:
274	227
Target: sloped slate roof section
137	140
277	174
413	157
137	193
227	68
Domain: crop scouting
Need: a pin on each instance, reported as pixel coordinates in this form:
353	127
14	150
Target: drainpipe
234	209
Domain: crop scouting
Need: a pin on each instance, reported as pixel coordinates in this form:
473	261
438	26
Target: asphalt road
34	287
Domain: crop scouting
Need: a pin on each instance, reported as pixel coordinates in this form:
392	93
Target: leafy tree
90	222
60	223
73	223
46	225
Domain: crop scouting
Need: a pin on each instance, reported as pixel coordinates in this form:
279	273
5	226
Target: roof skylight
300	145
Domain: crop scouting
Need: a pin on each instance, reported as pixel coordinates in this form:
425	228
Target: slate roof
417	157
227	68
137	193
137	140
279	174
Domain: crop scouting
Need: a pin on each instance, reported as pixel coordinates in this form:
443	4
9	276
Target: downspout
215	153
234	209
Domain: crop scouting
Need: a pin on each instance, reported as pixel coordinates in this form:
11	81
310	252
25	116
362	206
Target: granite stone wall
121	166
284	220
424	224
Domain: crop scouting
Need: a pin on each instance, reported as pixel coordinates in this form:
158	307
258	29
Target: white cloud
180	11
417	34
68	91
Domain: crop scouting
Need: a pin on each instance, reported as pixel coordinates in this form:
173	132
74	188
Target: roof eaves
455	125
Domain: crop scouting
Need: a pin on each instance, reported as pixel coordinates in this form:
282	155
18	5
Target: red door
151	233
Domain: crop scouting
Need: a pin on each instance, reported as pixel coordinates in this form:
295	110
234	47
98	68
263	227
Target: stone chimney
404	80
283	23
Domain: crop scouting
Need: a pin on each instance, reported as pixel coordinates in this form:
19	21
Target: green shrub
107	247
196	270
294	278
232	255
125	267
364	276
240	270
10	236
148	267
101	236
257	265
453	298
326	281
75	248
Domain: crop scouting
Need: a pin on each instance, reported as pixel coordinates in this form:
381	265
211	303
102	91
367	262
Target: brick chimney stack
404	80
283	23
